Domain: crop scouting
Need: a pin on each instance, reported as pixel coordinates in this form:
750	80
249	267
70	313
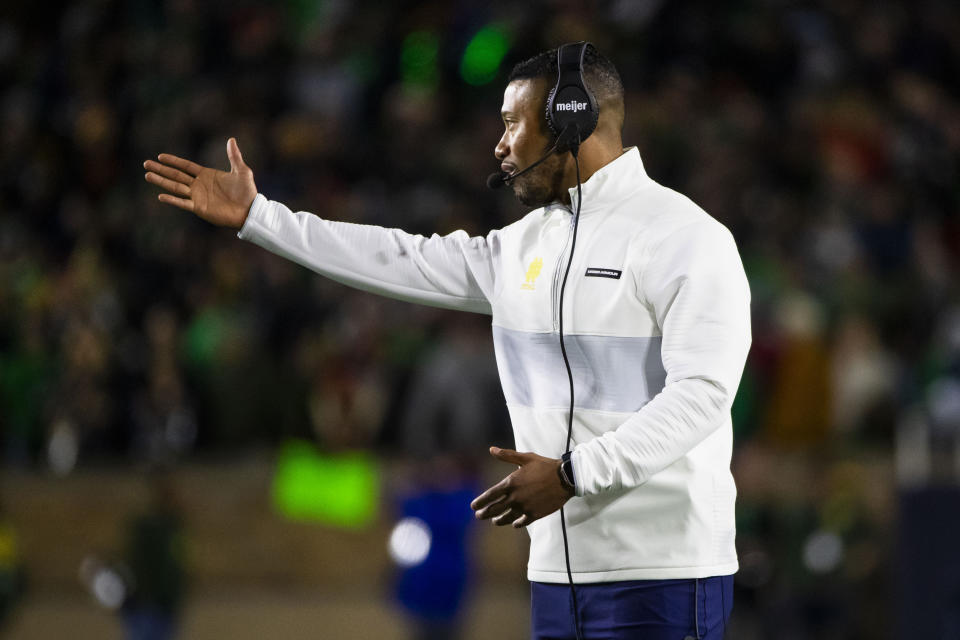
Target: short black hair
599	74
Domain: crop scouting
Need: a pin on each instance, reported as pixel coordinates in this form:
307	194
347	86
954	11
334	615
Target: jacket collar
611	183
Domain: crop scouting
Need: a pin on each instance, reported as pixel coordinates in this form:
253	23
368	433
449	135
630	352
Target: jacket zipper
558	277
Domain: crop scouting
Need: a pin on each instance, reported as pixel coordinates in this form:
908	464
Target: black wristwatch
565	471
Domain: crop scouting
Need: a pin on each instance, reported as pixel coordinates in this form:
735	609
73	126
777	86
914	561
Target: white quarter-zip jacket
657	328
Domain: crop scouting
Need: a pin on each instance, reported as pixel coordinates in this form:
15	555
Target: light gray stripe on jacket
610	373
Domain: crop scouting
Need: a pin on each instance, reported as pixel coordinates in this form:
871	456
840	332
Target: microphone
500	178
497	180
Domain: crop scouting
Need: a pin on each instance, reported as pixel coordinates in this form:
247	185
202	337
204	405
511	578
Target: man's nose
501	151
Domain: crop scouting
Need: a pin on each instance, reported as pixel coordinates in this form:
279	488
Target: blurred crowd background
146	354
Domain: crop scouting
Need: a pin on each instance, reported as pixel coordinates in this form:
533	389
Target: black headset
572	110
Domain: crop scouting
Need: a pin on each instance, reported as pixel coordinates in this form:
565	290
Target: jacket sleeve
455	271
695	284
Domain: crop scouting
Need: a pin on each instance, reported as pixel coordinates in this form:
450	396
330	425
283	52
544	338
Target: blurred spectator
155	559
800	397
454	403
431	545
12	582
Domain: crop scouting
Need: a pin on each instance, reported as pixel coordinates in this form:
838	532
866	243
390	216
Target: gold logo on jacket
533	271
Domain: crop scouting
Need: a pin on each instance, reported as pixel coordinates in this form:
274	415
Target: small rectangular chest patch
596	272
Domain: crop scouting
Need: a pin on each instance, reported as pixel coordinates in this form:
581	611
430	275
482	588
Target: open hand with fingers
220	197
528	494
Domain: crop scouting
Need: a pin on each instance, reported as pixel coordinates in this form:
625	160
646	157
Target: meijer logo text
572	106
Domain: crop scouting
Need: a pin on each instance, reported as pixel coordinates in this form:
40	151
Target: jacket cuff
256	218
578	480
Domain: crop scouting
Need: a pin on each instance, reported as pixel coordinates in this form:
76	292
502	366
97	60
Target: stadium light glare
339	489
410	542
483	55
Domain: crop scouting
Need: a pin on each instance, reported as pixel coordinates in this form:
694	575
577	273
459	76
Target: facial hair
543	184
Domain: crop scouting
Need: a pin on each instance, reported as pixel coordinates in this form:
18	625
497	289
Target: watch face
566	471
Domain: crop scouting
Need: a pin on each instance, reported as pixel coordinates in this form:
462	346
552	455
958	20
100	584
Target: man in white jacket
656	327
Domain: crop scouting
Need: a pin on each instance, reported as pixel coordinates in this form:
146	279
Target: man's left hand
528	494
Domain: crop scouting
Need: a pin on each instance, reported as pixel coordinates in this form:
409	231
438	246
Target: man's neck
592	158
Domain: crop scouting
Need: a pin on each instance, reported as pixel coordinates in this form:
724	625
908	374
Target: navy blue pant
634	609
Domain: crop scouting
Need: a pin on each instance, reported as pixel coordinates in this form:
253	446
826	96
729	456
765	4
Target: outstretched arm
453	271
220	197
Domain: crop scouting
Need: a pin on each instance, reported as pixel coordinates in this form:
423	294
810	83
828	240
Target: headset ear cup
551	123
594	112
577	104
